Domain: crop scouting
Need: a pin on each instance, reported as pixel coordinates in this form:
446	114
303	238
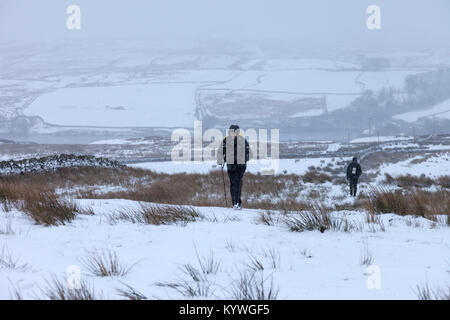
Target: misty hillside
57	90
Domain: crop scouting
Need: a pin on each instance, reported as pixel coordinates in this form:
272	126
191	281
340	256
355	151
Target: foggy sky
407	24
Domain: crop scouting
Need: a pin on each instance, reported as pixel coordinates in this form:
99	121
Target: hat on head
355	159
234	128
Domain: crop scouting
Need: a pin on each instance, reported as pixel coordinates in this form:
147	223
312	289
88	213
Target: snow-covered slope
441	110
432	166
308	265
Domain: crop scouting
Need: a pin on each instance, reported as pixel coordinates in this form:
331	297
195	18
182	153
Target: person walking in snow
235	152
353	173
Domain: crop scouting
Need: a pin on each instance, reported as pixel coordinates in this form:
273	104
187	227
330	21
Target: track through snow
311	264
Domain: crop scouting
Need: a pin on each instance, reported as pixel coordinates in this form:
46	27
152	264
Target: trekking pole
224	189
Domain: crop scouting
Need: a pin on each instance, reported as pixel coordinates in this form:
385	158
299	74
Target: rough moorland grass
409	181
260	191
105	263
410	202
130	293
425	292
317	217
281	192
195	281
46	209
8	261
315	176
156	214
59	290
252	285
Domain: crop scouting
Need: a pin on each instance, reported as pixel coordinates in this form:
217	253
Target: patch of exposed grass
59	290
409	181
192	283
156	214
131	293
316	217
412	202
366	258
425	292
46	209
105	263
316	176
8	261
253	285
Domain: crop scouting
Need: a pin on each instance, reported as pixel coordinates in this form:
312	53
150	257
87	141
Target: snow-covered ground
310	265
432	166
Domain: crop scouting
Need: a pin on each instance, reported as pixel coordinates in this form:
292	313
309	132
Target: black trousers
235	174
353	186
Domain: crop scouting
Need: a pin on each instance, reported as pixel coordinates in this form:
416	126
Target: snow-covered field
380	139
166	90
308	265
119	106
432	166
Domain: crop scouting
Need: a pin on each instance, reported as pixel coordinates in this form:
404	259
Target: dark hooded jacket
354	171
234	151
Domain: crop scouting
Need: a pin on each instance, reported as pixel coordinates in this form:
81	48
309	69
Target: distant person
235	152
353	173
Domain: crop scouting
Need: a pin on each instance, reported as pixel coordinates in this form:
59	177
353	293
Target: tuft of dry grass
366	258
46	209
157	214
105	263
313	217
38	201
254	263
88	211
58	290
208	264
268	218
273	257
131	293
8	261
425	292
253	285
194	281
15	292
